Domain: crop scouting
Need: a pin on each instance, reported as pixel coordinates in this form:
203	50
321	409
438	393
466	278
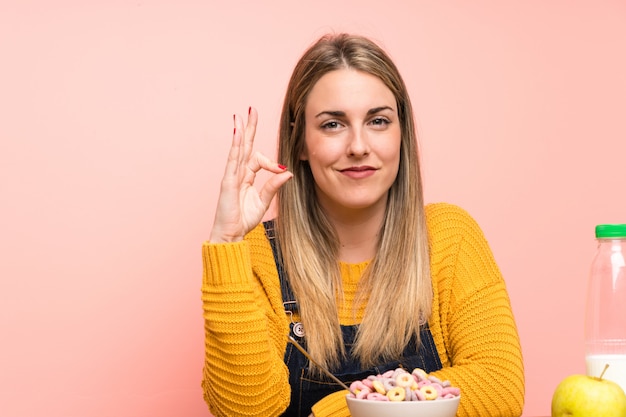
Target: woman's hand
240	206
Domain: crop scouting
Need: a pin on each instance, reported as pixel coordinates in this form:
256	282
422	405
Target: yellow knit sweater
472	324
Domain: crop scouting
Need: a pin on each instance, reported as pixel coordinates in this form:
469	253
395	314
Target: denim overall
306	390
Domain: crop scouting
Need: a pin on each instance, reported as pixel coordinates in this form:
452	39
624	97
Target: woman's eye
330	125
380	121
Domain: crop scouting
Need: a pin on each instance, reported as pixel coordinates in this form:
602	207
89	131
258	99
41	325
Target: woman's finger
259	161
271	186
242	156
233	160
250	131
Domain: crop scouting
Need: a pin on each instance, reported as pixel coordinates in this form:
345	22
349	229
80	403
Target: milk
616	371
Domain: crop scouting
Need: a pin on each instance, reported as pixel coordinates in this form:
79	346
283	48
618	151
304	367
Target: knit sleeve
333	405
482	348
244	372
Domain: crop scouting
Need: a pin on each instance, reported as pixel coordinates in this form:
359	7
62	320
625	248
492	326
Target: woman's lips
358	172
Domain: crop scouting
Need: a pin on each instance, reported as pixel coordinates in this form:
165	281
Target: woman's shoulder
455	238
263	262
259	234
447	215
258	240
446	222
443	207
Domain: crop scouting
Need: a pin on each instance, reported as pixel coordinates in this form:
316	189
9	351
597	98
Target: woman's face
352	140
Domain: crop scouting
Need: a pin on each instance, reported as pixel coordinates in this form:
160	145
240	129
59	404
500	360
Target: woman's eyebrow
334	113
379	109
339	113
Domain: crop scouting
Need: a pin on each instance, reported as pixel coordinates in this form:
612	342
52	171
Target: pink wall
115	118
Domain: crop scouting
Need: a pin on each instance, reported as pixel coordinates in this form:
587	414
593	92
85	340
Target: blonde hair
397	280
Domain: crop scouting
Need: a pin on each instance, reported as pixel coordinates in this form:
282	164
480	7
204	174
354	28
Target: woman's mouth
358	172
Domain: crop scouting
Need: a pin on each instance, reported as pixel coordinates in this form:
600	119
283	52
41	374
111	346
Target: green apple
588	396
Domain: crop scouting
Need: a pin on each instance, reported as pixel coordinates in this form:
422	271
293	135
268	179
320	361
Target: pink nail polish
282	167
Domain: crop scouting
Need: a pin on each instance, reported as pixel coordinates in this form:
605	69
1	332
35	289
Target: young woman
354	266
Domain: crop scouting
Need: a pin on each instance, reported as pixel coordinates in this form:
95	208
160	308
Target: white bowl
435	408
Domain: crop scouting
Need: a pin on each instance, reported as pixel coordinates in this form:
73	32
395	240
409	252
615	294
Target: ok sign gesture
240	205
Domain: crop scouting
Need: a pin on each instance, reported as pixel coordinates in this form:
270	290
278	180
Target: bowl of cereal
402	393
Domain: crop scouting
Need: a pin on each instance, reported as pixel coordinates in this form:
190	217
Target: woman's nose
358	143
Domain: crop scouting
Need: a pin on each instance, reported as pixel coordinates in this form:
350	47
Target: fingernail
249	110
282	167
234	130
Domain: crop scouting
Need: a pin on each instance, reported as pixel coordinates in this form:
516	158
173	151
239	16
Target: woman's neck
358	234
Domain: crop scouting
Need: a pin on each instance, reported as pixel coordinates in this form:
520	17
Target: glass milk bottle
605	324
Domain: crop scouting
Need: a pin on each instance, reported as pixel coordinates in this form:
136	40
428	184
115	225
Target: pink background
115	120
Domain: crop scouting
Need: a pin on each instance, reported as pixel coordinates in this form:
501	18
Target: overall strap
289	300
